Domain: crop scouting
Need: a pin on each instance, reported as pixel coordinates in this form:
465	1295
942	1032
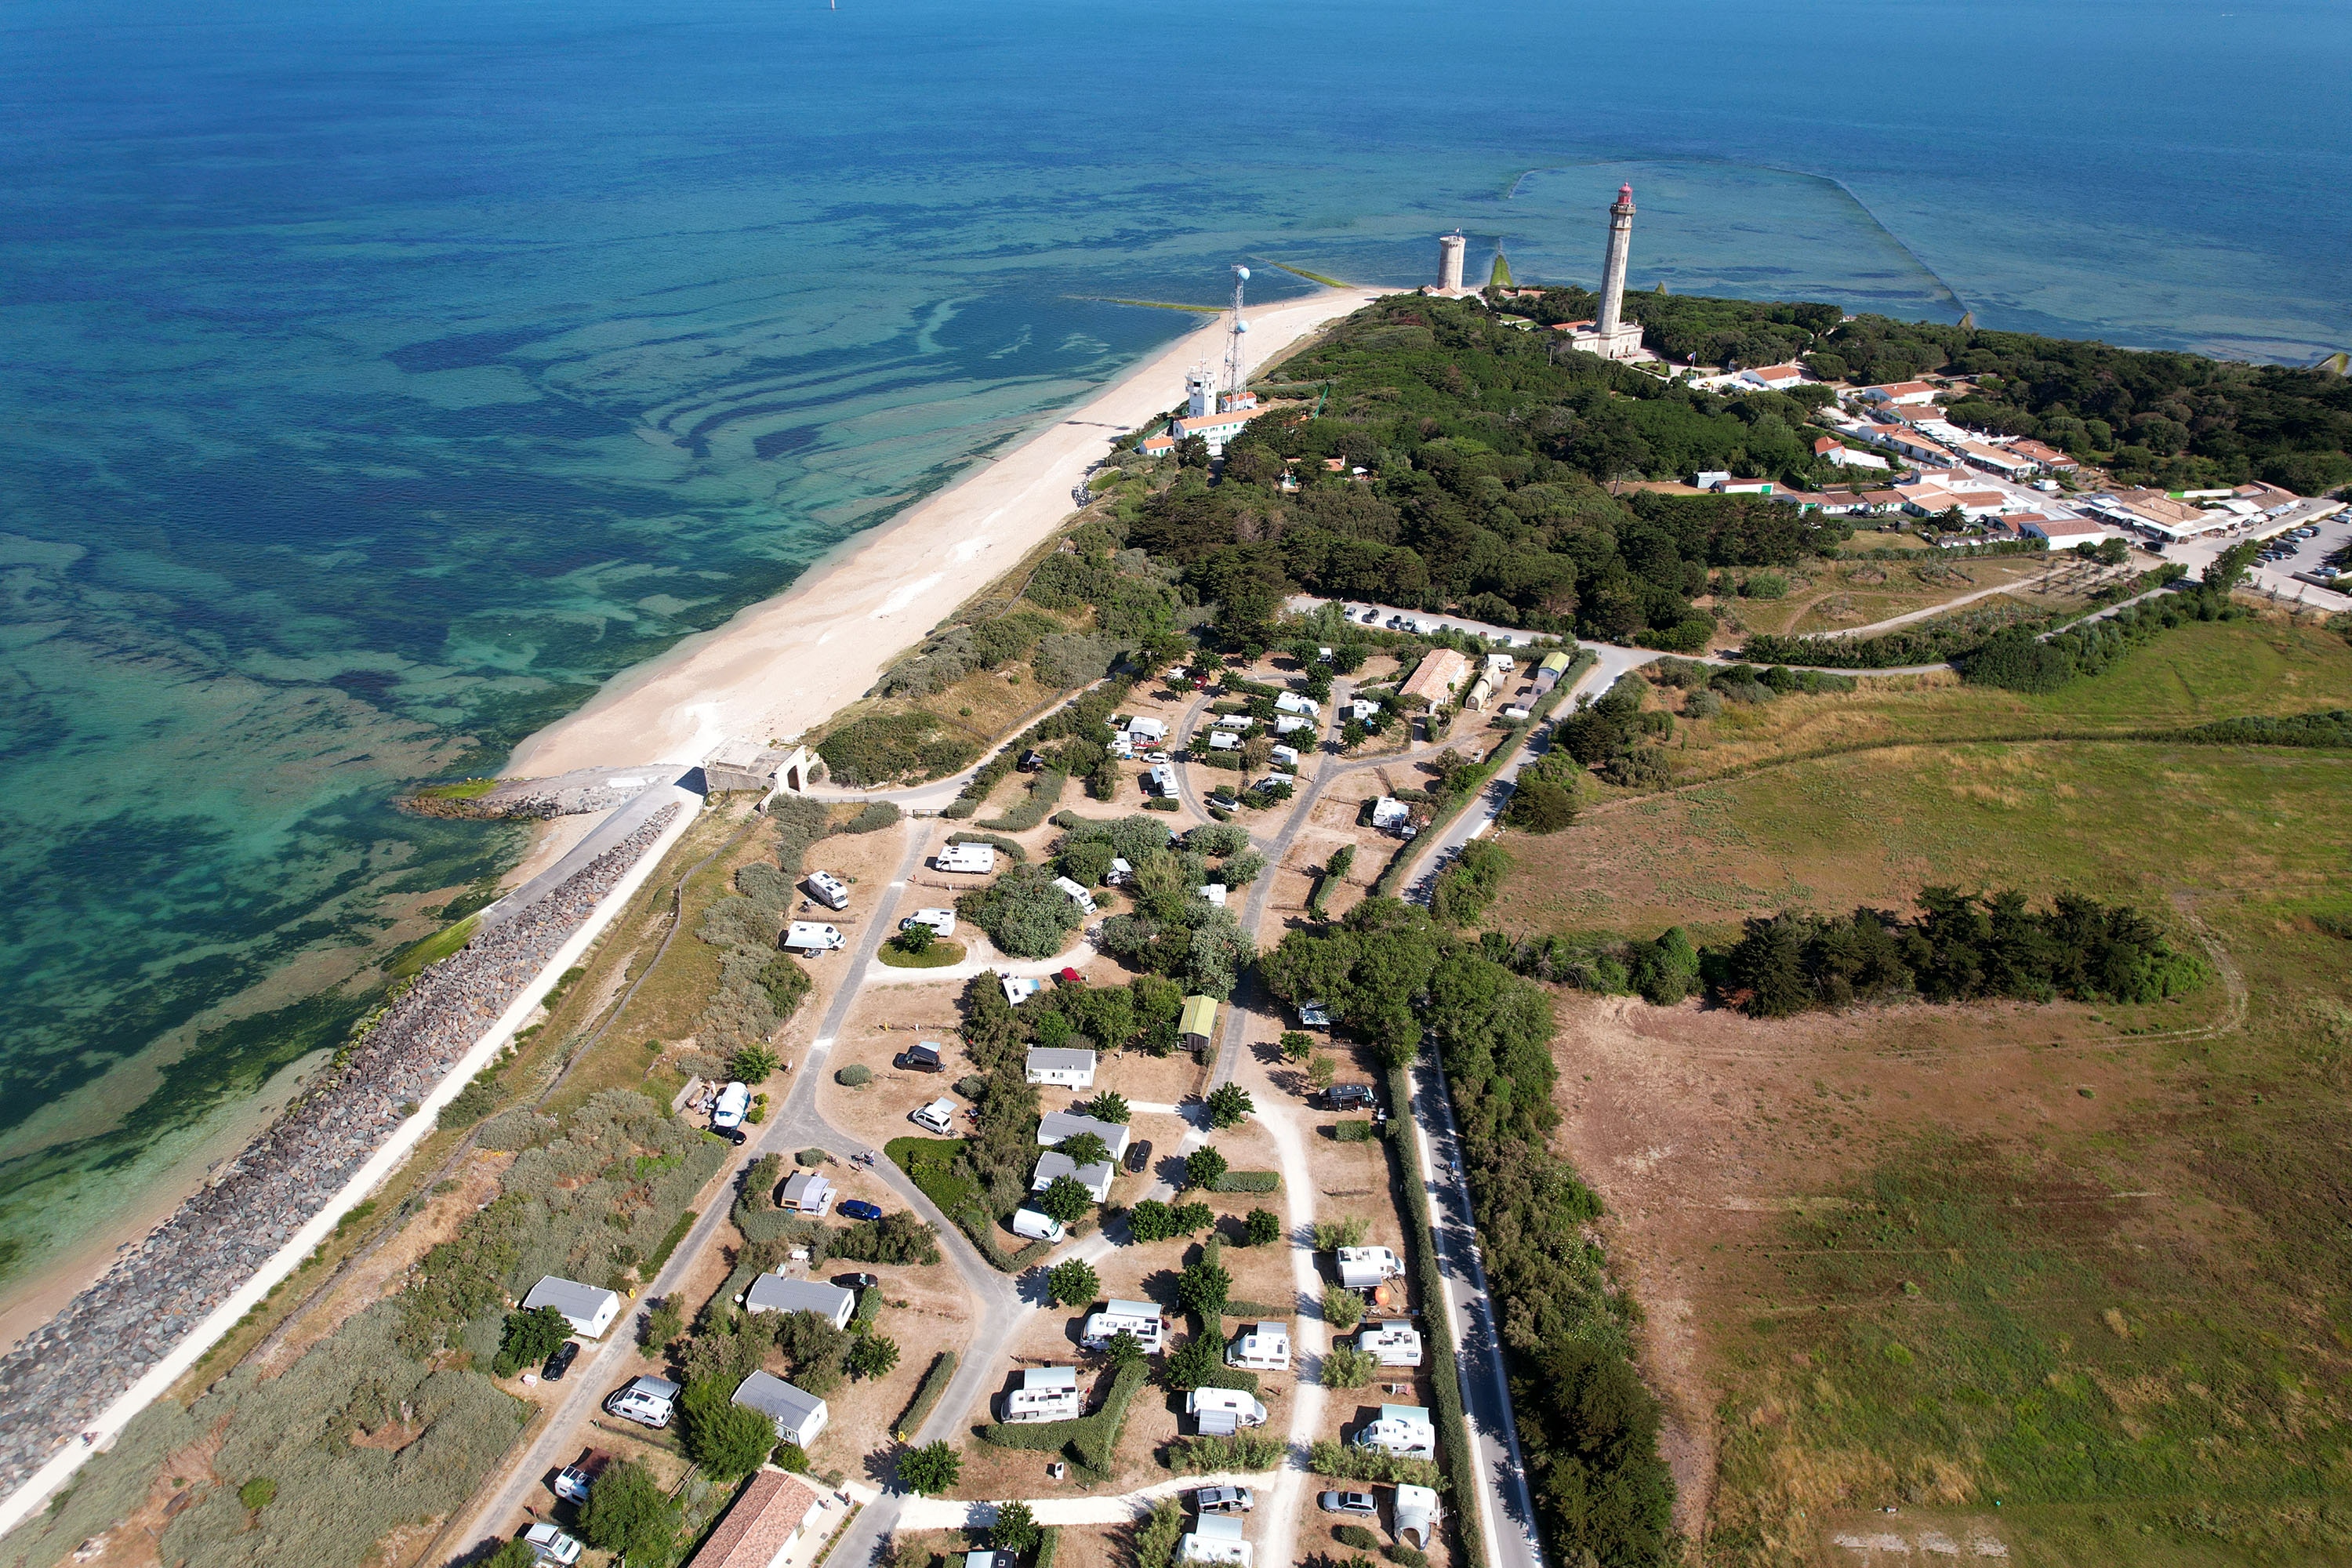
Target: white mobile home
1061	1066
1215	1538
1047	1393
1077	894
807	1192
588	1310
1140	1318
799	1416
1057	1127
775	1293
1052	1166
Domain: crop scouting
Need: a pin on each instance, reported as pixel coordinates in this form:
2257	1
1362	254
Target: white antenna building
1234	362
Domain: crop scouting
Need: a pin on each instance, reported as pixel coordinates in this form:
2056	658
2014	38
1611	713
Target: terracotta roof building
1438	676
763	1525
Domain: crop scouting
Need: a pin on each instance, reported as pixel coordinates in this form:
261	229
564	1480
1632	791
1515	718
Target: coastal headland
792	661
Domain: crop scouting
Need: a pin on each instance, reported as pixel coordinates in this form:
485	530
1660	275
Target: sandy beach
788	663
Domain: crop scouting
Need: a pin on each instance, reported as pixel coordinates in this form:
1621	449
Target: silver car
1223	1500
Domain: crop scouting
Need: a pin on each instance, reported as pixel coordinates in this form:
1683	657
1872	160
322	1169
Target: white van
976	859
808	936
1036	1225
827	890
937	1117
733	1102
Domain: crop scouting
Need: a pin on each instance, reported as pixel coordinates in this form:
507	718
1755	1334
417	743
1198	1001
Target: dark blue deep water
376	379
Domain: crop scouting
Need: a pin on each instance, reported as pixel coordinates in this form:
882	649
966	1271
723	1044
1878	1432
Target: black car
856	1281
1139	1155
561	1362
1349	1096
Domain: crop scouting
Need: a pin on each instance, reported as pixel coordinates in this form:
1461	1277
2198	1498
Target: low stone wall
82	1360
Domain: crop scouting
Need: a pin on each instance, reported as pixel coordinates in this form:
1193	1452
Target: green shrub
883	748
1203	1168
629	1513
876	816
725	1438
1407	1556
810	1157
927	1394
930	1470
1346	1462
1342	1307
529	1339
257	1493
1247	1182
1263	1229
1156	1536
1357	1536
1208	1455
1352	1131
1348	1367
857	1075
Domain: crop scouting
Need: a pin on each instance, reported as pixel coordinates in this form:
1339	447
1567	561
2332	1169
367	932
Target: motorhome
733	1102
974	860
809	937
1077	894
1261	1347
1391	1343
941	921
1221	1412
827	890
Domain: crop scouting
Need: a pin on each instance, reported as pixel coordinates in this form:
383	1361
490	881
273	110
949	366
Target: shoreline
780	667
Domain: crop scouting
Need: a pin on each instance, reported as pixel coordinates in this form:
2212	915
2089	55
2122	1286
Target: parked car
856	1281
1349	1096
1223	1500
732	1134
858	1208
1138	1154
561	1362
1360	1504
550	1544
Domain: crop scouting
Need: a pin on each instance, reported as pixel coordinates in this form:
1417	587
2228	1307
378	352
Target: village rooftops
1441	673
1060	1126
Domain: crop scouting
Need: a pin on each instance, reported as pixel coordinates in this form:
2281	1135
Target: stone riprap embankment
537	800
79	1363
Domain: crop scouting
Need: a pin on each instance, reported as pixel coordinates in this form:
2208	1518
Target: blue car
858	1208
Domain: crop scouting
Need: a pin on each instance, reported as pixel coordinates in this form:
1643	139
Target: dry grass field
2063	1283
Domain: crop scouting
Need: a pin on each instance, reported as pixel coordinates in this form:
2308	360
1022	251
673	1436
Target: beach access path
788	663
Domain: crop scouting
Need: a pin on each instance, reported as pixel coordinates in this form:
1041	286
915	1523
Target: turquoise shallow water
380	379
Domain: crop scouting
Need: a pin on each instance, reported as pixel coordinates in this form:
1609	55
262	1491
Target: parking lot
2299	567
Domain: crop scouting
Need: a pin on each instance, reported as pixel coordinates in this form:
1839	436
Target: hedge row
1090	1439
1247	1182
926	1394
1346	1462
1045	795
1445	1380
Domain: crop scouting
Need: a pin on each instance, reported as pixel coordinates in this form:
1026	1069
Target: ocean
378	380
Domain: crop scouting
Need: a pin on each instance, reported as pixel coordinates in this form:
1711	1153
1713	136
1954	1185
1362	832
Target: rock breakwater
70	1369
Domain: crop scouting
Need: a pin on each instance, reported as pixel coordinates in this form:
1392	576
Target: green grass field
2107	1325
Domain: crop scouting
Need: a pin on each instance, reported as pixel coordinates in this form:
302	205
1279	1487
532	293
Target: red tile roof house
763	1525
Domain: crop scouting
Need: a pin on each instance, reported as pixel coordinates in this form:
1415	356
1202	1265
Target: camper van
976	859
937	1117
941	921
1365	1267
827	890
1036	1225
733	1102
1404	1430
809	937
1223	1411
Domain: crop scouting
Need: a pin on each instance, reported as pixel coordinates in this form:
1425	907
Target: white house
1077	894
807	1192
589	1311
1391	1343
1095	1178
1899	393
775	1293
1045	1393
2065	532
1215	429
1364	1268
1140	1318
1061	1066
1404	1430
799	1414
977	860
1772	377
1058	1126
1261	1347
1215	1538
1224	1410
1833	450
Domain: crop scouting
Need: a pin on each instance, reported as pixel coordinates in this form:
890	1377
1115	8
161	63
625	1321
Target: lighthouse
1611	336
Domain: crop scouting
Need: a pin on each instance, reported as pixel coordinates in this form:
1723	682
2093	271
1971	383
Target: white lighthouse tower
1611	336
1449	262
